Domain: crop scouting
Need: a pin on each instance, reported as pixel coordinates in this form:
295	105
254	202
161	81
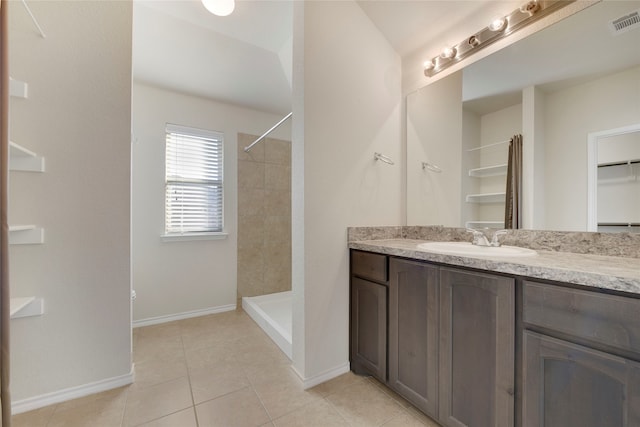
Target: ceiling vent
625	23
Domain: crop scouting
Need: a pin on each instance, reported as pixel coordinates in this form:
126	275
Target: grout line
193	402
337	411
262	404
124	409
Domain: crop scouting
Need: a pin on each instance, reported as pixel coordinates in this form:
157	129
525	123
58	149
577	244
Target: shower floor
273	313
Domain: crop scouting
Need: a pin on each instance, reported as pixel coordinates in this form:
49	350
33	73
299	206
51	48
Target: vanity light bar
528	13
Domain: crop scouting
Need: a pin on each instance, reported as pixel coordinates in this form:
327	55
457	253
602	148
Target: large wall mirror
577	77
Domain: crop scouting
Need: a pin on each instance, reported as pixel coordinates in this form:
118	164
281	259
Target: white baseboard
179	316
307	383
47	399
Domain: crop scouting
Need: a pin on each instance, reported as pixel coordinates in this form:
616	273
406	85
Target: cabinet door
566	384
476	349
369	328
413	332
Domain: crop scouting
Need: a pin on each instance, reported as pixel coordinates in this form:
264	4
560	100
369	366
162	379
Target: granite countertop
604	272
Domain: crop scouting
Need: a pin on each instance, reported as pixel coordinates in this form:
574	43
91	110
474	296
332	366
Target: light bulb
219	7
498	24
448	52
429	65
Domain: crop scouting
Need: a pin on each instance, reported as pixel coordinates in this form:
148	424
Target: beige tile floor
222	370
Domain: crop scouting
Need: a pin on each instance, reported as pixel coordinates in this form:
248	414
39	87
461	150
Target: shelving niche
26	307
18	89
22	159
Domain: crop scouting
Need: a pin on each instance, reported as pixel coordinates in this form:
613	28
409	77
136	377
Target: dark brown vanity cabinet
368	335
446	339
581	351
477	330
450	341
413	332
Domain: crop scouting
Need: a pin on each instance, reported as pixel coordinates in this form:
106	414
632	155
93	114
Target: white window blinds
193	181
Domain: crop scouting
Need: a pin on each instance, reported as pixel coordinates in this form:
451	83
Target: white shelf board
22	159
18	89
486	198
484	224
26	307
496	170
25	235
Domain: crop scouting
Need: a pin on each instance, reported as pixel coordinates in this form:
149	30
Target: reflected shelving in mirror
486	198
485	224
487	171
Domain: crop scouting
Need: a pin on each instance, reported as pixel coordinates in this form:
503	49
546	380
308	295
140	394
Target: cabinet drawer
606	319
369	265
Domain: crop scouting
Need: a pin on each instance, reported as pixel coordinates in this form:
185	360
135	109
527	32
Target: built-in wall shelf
26	235
22	159
484	224
18	89
486	198
26	307
496	170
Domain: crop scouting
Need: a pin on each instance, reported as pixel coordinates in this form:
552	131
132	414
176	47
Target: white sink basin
467	249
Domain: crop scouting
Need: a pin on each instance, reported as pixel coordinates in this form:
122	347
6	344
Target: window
193	181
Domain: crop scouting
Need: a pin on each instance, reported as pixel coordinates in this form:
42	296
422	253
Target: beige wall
264	216
347	105
434	135
78	117
606	103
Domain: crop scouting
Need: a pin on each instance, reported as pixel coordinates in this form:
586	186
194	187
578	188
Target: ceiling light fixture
499	28
219	7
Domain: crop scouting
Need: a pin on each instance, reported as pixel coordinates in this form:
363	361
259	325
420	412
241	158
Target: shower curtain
513	200
5	308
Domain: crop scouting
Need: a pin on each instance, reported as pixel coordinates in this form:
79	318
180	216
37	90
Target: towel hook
383	158
431	167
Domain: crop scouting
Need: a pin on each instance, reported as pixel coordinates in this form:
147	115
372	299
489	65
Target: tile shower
264	235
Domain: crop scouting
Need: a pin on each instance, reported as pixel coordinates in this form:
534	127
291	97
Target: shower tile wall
264	216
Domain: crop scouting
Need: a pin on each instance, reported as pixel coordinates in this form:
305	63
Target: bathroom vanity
549	340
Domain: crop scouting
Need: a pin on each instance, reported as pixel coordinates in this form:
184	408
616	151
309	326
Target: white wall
350	107
176	278
606	103
78	117
533	167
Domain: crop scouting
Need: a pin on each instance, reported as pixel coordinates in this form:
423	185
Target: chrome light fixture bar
499	28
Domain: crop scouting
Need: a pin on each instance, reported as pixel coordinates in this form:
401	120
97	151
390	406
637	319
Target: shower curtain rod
264	135
33	18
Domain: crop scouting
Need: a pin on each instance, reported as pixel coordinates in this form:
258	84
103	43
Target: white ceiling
242	59
245	58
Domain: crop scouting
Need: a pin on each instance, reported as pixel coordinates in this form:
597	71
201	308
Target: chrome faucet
480	239
494	240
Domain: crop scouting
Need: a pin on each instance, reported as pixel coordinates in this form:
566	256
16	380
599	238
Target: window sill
193	236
